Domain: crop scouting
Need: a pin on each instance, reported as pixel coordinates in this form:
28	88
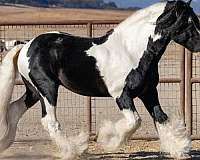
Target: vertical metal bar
188	91
89	29
182	84
89	109
89	104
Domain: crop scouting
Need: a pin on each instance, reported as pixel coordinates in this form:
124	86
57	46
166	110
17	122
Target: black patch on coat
145	74
31	96
61	59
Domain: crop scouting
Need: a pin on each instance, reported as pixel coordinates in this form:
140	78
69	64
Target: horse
122	64
9	44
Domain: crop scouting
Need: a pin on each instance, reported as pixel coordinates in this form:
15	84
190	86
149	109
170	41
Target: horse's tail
8	70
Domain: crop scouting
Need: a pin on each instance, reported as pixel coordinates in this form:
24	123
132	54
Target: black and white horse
122	64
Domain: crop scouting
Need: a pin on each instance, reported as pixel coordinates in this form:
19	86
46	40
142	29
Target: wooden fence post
188	91
182	83
89	103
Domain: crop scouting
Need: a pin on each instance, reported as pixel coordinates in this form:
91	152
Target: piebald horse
122	64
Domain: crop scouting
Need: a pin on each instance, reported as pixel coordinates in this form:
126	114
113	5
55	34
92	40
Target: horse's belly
86	85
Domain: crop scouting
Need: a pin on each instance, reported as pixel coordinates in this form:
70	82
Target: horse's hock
179	88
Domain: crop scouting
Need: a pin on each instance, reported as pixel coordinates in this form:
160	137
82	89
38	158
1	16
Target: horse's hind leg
10	113
13	115
112	135
172	132
70	147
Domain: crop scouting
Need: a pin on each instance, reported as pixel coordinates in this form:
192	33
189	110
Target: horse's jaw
197	43
194	44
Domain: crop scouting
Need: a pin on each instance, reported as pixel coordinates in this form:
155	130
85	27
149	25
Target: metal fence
179	87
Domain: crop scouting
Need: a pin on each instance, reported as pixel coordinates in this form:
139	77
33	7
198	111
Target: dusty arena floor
143	150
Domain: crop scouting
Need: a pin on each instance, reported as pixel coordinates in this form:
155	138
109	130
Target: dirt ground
45	150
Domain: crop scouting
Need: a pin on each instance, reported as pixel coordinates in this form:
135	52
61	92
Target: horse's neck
135	31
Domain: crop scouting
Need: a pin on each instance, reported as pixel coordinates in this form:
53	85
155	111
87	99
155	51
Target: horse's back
63	58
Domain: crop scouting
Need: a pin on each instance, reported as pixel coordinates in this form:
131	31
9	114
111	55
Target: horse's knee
159	115
131	119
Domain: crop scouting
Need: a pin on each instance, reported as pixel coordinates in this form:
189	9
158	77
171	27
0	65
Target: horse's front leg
112	135
171	130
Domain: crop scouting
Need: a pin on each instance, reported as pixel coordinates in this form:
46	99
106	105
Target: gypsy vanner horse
122	64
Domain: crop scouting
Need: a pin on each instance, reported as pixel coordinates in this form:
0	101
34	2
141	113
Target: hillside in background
21	13
145	3
96	4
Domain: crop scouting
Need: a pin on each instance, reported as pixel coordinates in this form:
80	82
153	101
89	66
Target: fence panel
195	90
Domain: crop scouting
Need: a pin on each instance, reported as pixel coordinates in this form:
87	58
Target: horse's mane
149	14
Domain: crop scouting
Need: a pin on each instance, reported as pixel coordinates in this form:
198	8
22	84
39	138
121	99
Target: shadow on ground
195	154
142	155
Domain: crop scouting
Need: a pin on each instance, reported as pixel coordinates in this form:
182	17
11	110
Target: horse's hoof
72	147
108	137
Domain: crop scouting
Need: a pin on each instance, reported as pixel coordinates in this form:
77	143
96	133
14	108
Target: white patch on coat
112	135
156	37
23	62
174	138
57	32
125	46
71	147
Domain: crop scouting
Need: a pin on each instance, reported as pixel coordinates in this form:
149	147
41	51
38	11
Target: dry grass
33	14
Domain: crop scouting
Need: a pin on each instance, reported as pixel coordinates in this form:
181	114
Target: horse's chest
114	69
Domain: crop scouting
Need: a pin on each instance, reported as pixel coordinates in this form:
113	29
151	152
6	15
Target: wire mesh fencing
77	112
195	87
